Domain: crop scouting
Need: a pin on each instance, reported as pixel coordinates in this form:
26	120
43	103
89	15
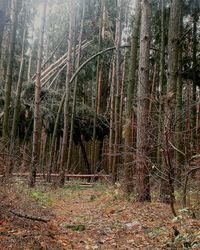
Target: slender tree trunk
3	7
19	89
130	99
98	90
9	74
54	136
161	81
142	147
188	121
29	65
179	110
66	104
75	89
36	125
166	190
84	155
194	76
111	128
117	94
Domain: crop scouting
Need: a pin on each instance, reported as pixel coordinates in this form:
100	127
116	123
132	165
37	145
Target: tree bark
9	74
194	76
170	102
179	110
19	89
142	164
66	104
129	166
117	78
75	89
98	89
36	124
3	7
161	82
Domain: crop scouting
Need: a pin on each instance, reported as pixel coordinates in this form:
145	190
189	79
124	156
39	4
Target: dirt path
104	220
90	218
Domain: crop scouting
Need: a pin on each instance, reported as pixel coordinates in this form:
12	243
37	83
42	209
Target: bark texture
142	164
36	124
170	102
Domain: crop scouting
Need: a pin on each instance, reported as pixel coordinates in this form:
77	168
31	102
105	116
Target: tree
66	104
130	99
9	74
117	80
194	73
166	191
161	77
20	80
36	126
98	87
142	144
3	7
179	107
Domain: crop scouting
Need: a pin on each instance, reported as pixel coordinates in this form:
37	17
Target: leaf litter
94	218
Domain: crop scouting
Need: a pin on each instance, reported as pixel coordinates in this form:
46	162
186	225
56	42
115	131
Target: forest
99	124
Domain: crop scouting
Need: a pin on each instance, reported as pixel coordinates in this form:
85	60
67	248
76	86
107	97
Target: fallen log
81	176
29	217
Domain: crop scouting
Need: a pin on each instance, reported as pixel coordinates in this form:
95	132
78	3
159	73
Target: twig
175	148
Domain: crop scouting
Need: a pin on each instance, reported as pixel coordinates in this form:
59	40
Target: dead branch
29	217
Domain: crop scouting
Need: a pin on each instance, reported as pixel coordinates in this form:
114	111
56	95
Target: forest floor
98	217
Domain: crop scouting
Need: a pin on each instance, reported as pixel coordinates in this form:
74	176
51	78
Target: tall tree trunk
9	74
194	75
142	147
166	190
117	93
161	81
98	89
75	89
66	104
179	110
111	118
36	124
130	99
3	7
19	89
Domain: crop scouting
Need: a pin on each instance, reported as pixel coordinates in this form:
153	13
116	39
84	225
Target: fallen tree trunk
29	217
